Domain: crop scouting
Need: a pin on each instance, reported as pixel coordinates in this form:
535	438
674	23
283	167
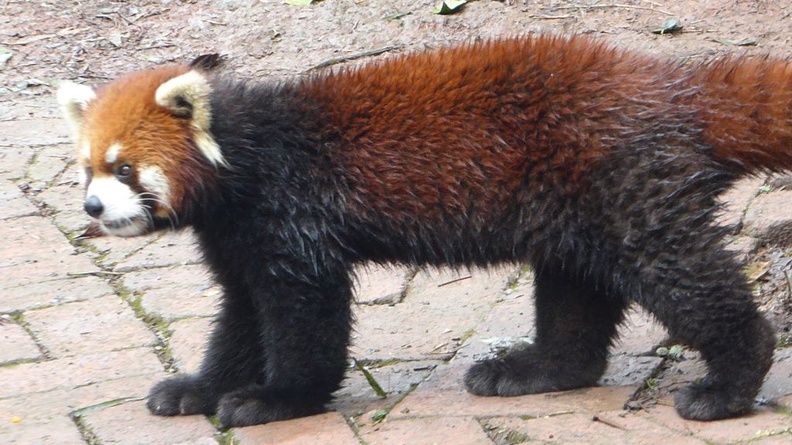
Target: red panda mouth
126	227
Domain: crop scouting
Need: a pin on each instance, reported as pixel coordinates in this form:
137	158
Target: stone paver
131	424
18	346
329	428
426	431
108	324
608	428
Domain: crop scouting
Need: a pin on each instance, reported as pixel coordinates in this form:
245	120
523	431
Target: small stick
614	6
347	58
608	422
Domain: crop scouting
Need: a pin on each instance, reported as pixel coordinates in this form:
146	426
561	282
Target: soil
92	41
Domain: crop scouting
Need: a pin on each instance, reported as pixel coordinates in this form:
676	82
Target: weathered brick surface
605	428
329	428
174	292
188	341
449	305
107	324
426	431
17	344
14	202
28	378
132	424
767	218
763	422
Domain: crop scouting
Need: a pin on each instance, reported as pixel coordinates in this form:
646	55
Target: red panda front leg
576	322
305	328
234	358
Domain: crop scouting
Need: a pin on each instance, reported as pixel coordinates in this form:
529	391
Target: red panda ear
189	96
74	99
208	62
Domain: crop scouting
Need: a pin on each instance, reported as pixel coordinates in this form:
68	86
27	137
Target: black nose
93	206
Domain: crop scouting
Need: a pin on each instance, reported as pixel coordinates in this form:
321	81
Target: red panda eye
123	172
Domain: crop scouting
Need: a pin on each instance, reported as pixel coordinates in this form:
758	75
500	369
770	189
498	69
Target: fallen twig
347	58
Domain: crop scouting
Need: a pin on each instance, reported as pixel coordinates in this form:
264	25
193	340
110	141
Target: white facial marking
85	152
124	214
111	155
154	181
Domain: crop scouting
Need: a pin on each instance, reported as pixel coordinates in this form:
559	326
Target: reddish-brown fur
126	113
570	100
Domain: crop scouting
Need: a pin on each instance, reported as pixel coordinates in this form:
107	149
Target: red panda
598	166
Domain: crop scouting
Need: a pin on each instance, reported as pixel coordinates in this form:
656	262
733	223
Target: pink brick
107	324
444	389
175	292
17	344
329	428
762	422
132	424
76	371
610	428
426	431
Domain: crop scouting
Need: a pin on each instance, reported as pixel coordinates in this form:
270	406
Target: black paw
181	396
529	371
702	401
255	405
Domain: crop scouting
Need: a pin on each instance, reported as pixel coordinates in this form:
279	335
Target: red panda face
143	146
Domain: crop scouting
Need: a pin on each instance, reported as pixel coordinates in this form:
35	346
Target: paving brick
34	251
106	324
426	431
26	378
47	166
762	422
444	388
15	203
17	345
175	292
45	293
114	249
779	380
188	341
627	370
639	334
169	249
609	428
737	199
66	200
328	428
449	305
378	284
772	439
13	160
58	430
768	218
34	132
44	417
509	318
357	396
132	424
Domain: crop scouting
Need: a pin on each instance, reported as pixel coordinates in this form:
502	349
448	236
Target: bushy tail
746	107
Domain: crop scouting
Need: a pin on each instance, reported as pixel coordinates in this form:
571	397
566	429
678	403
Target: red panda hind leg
576	320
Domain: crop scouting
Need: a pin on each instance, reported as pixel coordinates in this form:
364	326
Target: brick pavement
85	329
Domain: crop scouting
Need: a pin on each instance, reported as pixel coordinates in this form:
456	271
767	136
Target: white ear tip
71	94
190	84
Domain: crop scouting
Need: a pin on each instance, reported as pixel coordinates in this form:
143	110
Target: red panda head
144	147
